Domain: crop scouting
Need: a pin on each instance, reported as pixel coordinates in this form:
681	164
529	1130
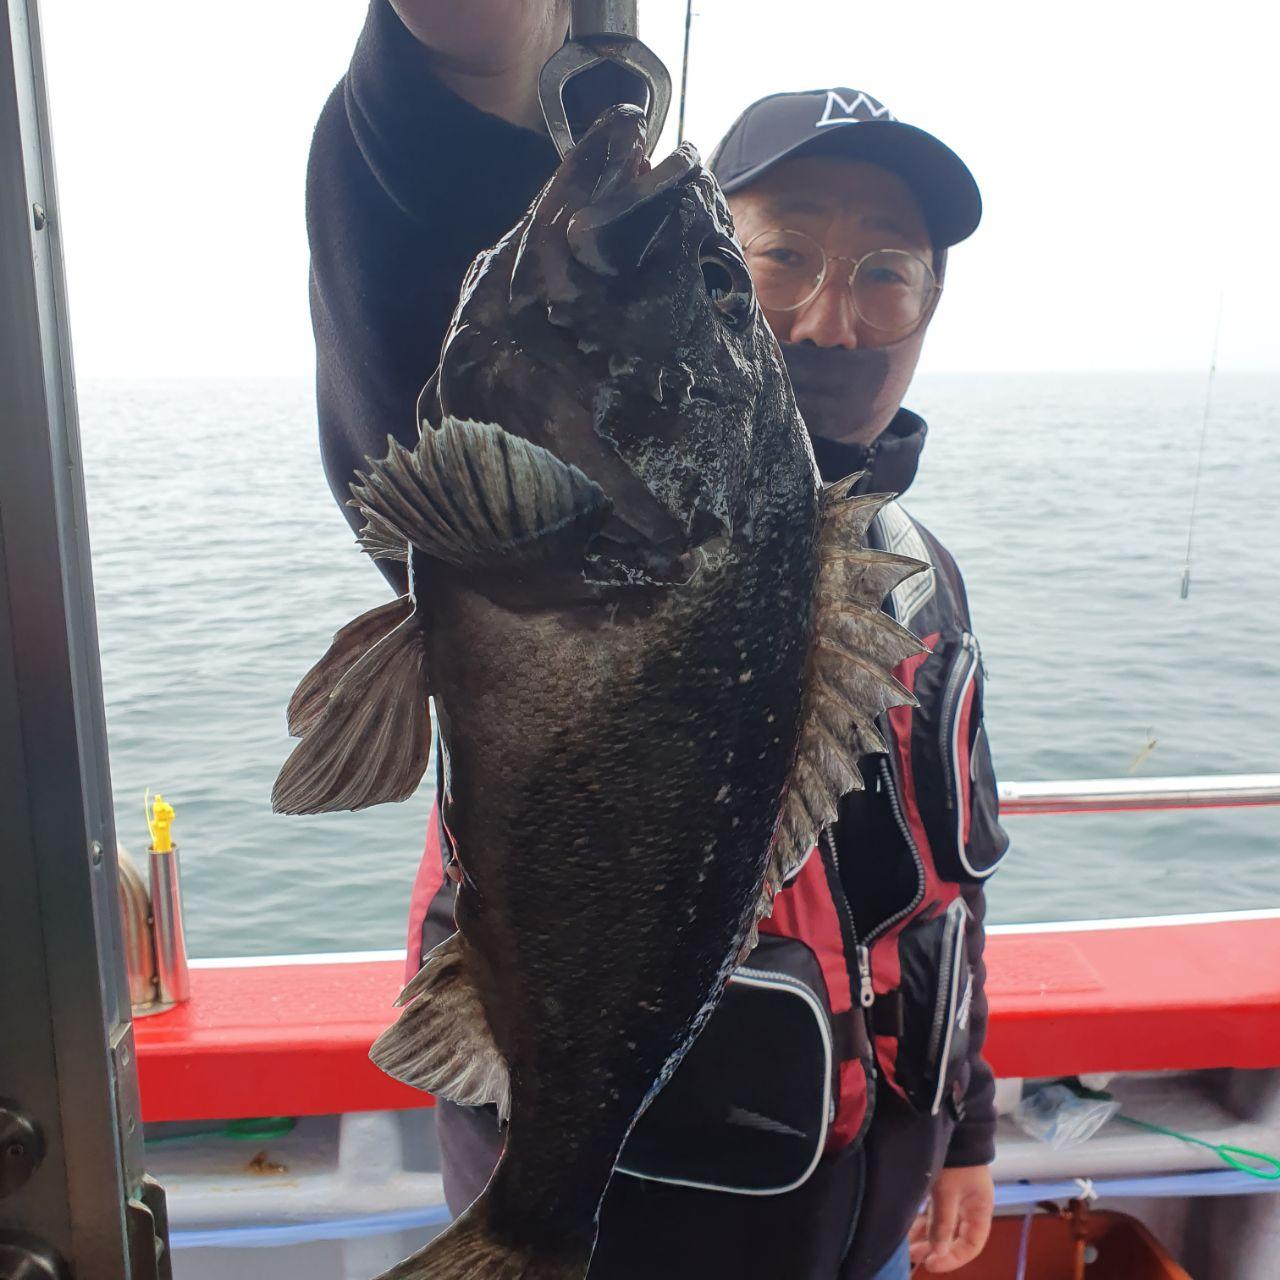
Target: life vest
786	1069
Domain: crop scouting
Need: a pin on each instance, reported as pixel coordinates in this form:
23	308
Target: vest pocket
749	1108
937	988
949	743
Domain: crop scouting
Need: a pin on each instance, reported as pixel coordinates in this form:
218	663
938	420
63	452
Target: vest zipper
957	682
894	804
866	993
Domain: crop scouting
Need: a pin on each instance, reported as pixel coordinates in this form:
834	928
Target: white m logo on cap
838	111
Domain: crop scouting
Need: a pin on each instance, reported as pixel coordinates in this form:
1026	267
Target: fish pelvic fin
475	496
471	1250
849	677
442	1042
349	645
370	742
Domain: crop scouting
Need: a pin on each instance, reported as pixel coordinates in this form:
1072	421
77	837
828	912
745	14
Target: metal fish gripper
603	39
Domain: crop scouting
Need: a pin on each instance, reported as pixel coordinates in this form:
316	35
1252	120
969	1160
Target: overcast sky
1127	154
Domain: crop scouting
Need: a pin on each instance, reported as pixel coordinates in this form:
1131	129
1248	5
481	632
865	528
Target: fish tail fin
470	1250
370	742
442	1042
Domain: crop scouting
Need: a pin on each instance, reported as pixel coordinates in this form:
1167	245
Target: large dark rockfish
656	651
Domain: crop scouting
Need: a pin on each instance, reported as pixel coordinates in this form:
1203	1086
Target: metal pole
74	1191
1109	795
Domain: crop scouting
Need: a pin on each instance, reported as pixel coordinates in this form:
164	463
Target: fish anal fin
475	496
349	645
369	745
442	1042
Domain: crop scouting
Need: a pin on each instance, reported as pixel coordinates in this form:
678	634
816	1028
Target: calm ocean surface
222	567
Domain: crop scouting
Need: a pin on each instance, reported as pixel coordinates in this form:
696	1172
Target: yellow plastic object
159	821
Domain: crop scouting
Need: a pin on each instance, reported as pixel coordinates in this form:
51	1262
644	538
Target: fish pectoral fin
442	1042
349	646
475	496
370	742
849	677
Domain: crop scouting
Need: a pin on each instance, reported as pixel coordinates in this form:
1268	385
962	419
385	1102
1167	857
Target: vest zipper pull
866	992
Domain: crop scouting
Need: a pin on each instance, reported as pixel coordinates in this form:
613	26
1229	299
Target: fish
655	650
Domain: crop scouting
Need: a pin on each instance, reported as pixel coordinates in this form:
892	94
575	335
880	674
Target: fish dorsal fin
848	678
369	745
476	496
348	647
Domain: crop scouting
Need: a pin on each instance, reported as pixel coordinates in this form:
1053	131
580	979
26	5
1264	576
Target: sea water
222	567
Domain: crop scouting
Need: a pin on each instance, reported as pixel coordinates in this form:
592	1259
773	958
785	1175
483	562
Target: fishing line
1204	431
684	70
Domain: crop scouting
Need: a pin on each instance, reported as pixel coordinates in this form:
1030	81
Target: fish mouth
631	200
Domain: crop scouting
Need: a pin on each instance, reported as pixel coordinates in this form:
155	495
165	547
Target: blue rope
278	1234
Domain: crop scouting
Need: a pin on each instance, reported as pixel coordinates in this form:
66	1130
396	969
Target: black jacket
406	183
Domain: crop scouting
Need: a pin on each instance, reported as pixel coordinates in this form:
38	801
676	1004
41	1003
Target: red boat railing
291	1035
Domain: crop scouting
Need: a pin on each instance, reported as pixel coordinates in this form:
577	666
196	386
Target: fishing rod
684	70
1204	431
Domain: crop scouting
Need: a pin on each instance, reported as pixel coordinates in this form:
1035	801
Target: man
428	151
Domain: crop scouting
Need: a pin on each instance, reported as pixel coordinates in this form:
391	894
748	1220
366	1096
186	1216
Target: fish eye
727	282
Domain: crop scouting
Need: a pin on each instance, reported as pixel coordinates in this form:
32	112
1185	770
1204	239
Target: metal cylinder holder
139	945
173	981
154	939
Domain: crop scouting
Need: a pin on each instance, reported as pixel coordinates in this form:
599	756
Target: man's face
850	208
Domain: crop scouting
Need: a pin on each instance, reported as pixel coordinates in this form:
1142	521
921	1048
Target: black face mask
850	396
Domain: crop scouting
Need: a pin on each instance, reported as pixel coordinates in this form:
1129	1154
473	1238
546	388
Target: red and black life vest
786	1069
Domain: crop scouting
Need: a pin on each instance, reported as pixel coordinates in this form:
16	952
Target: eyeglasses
891	288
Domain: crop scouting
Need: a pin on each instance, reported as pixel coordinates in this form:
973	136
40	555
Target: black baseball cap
848	122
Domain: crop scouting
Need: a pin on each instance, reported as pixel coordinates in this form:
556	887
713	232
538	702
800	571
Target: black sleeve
974	1138
406	183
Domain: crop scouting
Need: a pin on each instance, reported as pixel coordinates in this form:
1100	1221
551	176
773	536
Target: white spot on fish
722	794
745	677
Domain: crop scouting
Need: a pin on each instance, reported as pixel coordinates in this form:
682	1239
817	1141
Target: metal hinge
147	1217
